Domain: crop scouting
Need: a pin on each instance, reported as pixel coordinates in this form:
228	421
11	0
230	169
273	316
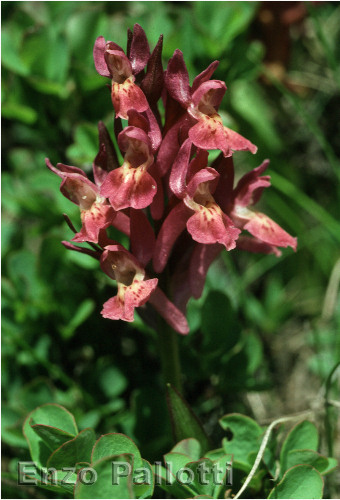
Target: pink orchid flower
111	61
131	185
96	213
178	210
202	102
133	289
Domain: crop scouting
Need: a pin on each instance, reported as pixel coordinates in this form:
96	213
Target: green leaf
303	436
215	454
84	310
184	422
307	457
171	483
52	437
100	486
143	480
248	99
246	437
19	111
11	427
52	415
112	382
202	488
74	451
10	56
175	461
301	481
85	146
50	87
58	481
190	447
116	444
332	464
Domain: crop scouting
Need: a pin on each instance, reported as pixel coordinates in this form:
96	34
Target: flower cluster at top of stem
178	211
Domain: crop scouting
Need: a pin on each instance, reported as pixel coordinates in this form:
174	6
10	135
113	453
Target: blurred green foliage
56	346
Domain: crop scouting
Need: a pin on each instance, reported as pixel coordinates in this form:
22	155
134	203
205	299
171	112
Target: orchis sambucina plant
178	210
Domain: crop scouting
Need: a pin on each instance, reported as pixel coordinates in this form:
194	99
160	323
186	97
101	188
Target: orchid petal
118	64
129	187
210	225
249	188
209	133
169	148
98	217
157	204
61	169
199	162
264	228
139	50
254	245
172	315
84	250
152	83
171	228
268	231
142	237
223	193
202	176
179	170
98	56
122	306
177	79
126	96
238	143
202	257
205	75
106	159
208	95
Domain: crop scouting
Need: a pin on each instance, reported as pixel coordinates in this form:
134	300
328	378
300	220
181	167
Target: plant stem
168	347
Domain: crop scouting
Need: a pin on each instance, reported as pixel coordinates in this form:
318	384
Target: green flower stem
168	346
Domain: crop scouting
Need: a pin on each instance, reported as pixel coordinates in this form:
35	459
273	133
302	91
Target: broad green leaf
175	461
190	447
332	464
116	444
306	457
301	481
168	483
303	436
52	415
52	437
246	437
185	424
223	474
172	481
98	481
215	454
143	480
50	479
74	451
201	480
